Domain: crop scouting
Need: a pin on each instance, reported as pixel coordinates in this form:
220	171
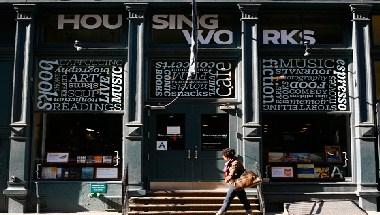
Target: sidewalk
115	213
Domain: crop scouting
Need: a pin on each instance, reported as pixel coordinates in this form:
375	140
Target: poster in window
107	159
49	173
81	159
103	173
70	173
305	170
87	173
333	154
321	172
276	156
282	172
57	157
98	159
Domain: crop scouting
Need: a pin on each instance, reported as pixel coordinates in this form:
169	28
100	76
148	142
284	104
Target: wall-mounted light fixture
307	49
227	107
78	46
156	107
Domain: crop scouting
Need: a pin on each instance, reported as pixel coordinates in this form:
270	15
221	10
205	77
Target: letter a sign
162	145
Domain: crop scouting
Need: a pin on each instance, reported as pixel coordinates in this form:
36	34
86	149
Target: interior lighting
78	46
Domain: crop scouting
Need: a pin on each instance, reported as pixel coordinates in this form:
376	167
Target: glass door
186	142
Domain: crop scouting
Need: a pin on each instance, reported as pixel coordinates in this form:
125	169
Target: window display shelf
307	179
301	171
75	172
315	163
77	164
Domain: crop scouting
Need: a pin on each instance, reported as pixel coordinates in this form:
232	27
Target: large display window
305	147
79	146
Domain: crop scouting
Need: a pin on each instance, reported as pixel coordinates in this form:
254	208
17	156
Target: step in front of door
187	202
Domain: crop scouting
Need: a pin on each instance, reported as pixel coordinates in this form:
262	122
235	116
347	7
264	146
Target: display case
80	147
307	166
304	147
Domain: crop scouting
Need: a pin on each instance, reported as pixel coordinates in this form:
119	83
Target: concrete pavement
115	213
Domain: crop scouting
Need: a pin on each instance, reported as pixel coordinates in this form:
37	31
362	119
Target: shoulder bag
247	179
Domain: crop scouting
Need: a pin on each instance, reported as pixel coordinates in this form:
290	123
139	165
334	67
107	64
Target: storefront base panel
75	196
173	185
277	194
368	200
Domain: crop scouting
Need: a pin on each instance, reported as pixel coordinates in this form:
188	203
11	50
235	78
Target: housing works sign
80	85
213	29
297	84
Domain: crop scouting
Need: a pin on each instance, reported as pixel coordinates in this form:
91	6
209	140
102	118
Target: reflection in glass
77	146
214	132
170	132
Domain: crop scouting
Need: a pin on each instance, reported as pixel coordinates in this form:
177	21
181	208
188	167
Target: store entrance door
186	143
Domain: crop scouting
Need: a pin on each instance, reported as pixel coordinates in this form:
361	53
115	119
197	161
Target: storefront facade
101	96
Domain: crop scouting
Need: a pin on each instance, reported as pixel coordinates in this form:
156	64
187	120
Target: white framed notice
106	172
282	172
173	130
57	157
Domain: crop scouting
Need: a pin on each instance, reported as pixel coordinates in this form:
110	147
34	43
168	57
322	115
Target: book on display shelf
333	154
282	172
87	173
305	171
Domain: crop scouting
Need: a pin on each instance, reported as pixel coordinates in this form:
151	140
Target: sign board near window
304	84
214	79
80	85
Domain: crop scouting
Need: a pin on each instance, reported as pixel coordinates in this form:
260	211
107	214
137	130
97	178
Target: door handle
345	159
195	154
188	154
117	158
38	171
